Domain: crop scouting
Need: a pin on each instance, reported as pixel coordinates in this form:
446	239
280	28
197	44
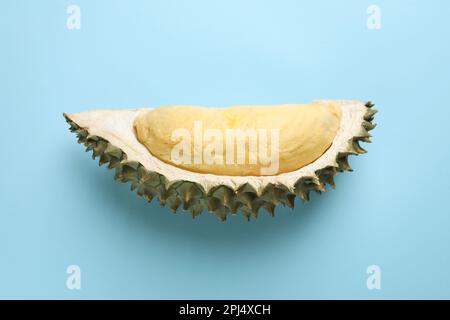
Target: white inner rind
116	126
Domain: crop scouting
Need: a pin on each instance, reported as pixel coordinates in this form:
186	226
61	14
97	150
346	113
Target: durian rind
221	195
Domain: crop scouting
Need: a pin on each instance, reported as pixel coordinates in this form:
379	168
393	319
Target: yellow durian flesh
304	133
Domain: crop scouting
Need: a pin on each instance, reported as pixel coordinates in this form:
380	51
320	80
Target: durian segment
109	134
303	134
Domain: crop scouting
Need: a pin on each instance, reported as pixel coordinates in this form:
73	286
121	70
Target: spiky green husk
220	200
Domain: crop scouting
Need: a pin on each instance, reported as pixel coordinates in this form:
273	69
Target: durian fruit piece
312	143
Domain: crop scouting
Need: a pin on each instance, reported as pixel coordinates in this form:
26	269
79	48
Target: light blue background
59	208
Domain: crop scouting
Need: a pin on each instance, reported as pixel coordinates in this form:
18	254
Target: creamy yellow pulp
239	140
